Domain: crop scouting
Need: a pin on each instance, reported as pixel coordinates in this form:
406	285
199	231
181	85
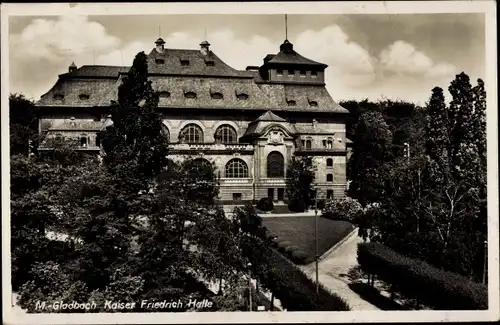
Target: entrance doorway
270	194
281	194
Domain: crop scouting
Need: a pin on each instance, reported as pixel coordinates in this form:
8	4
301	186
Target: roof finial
286	26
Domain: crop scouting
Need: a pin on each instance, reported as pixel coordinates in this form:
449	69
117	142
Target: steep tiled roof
177	87
287	55
76	92
170	76
97	71
196	64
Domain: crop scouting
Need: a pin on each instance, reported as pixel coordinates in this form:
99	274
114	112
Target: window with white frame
236	168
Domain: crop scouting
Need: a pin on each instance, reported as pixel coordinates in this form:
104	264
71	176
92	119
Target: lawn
300	231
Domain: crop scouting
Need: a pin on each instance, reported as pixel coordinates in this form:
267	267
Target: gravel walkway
332	269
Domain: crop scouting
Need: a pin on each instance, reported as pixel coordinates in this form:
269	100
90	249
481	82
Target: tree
372	148
300	181
432	207
438	140
135	146
23	123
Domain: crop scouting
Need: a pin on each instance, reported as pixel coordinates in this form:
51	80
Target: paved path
336	263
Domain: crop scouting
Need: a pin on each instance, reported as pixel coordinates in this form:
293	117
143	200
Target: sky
373	56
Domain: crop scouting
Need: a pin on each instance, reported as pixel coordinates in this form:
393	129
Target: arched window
165	132
192	133
329	162
199	168
329	177
275	165
308	144
236	168
226	134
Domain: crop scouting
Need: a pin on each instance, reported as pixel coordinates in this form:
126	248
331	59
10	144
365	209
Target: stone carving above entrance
275	137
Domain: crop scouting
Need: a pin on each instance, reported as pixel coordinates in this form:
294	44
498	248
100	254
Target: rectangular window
184	62
279	72
302	73
291	73
236	196
329	194
314	73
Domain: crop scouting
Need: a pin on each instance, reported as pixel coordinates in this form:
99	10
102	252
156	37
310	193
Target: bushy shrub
347	209
290	249
289	284
299	256
297	205
414	278
265	204
282	246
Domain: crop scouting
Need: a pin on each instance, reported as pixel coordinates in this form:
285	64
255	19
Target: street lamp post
316	236
250	286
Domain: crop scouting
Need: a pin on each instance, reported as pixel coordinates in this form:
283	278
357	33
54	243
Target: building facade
249	123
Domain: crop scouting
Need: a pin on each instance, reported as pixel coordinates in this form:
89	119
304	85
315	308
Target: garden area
297	234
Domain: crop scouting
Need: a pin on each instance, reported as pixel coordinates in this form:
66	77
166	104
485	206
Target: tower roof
287	55
160	41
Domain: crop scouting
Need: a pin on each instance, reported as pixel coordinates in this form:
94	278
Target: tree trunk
220	286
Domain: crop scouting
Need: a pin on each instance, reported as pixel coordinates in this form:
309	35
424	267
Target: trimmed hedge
438	289
265	204
296	205
288	283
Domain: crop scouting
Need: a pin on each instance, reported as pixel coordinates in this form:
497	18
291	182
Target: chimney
160	45
72	67
205	47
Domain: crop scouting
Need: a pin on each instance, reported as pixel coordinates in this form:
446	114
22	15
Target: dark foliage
265	204
289	284
436	288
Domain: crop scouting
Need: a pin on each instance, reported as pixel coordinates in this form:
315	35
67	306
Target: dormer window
217	96
279	72
291	73
302	73
185	62
209	63
314	74
242	96
190	94
291	103
159	61
313	103
164	94
83	97
58	96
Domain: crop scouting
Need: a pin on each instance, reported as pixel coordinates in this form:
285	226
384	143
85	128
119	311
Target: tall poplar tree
372	148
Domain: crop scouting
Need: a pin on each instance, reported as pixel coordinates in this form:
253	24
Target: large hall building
249	123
